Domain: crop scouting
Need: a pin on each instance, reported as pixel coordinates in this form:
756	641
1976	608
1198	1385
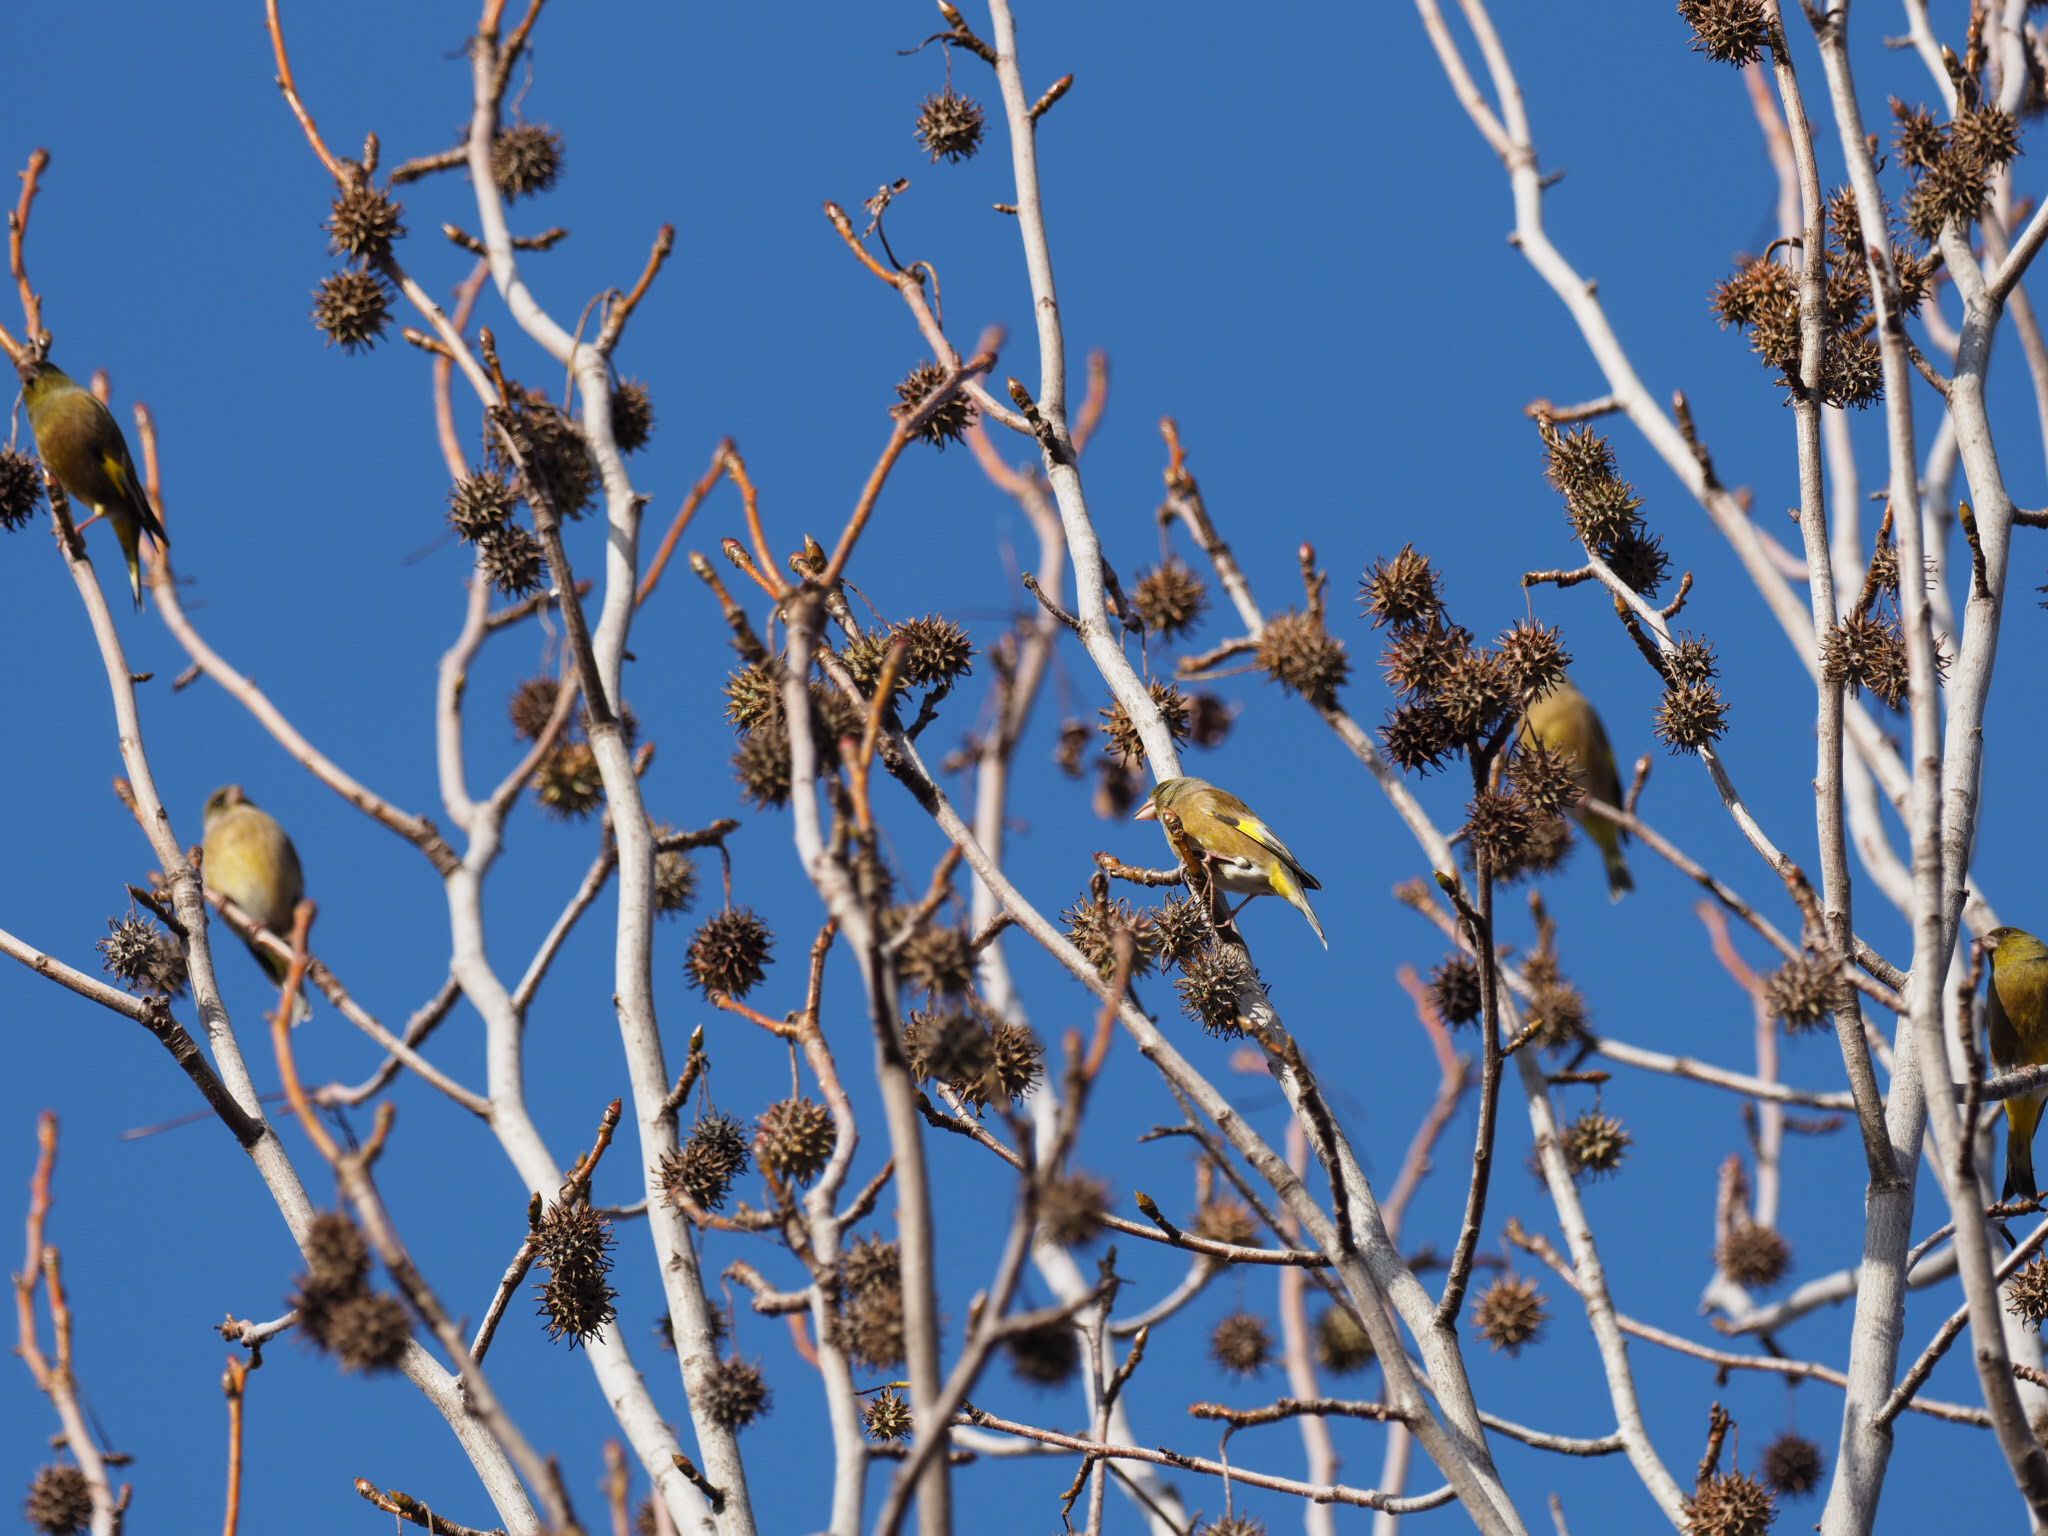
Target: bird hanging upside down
1243	855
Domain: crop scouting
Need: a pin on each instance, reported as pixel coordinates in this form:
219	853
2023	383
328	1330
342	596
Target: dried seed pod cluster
1170	598
1242	1343
1729	31
1510	1313
705	1165
982	1059
1594	1144
949	125
366	1330
730	953
870	1305
143	957
1730	1504
21	489
1175	711
574	1244
945	423
1753	1255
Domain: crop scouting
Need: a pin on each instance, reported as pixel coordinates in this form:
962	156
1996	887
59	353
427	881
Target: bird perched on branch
1243	855
2017	1010
250	861
81	444
1565	722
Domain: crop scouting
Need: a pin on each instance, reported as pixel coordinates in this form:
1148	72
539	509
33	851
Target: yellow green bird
250	861
82	445
2017	1007
1244	856
1565	722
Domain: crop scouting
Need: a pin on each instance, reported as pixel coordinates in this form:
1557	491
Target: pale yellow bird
251	861
1565	722
2017	1010
1244	856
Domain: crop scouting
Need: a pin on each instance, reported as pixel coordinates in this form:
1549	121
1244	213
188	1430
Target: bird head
1168	795
222	800
2010	946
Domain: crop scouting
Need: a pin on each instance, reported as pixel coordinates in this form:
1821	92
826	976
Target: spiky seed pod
1691	660
872	1329
1303	657
1851	372
949	125
352	307
1045	1356
948	423
706	1164
1952	188
1556	1007
1076	736
939	651
1845	224
479	504
1545	780
1754	1256
363	224
21	489
574	1244
1884	567
1918	138
886	1417
1116	789
59	1501
511	560
1242	1344
1803	992
865	658
1235	1525
2026	1293
1844	300
1455	990
794	1139
872	1264
1546	847
1510	1313
1210	719
1916	276
731	952
1594	1144
753	695
1124	739
552	458
1070	1209
1865	650
532	705
1417	737
1730	1504
1577	458
1475	697
1728	31
1182	928
733	1392
367	1332
1639	559
1793	1465
567	783
1604	510
632	416
1403	590
1987	134
1534	656
1419	657
1210	983
940	959
1094	926
143	957
1691	716
1342	1345
675	876
526	158
954	1045
762	767
1170	598
1019	1063
1226	1219
337	1256
1497	825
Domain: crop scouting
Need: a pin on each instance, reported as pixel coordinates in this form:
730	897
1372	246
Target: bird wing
119	468
2020	1002
1241	818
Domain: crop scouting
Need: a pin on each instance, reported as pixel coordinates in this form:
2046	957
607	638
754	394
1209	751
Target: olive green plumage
82	445
1244	856
251	861
2017	1010
1565	722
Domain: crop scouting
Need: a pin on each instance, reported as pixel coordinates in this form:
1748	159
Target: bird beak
1149	811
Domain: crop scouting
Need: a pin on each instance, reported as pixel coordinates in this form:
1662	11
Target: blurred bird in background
1565	722
250	861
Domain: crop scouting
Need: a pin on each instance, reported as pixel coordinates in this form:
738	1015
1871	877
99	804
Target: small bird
250	861
1565	722
1244	856
82	444
2017	1007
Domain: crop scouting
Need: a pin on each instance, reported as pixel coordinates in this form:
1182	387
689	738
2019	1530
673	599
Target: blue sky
1286	236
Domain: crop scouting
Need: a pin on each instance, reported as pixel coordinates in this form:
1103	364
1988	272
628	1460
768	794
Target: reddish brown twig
235	1382
17	235
687	511
620	313
291	96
